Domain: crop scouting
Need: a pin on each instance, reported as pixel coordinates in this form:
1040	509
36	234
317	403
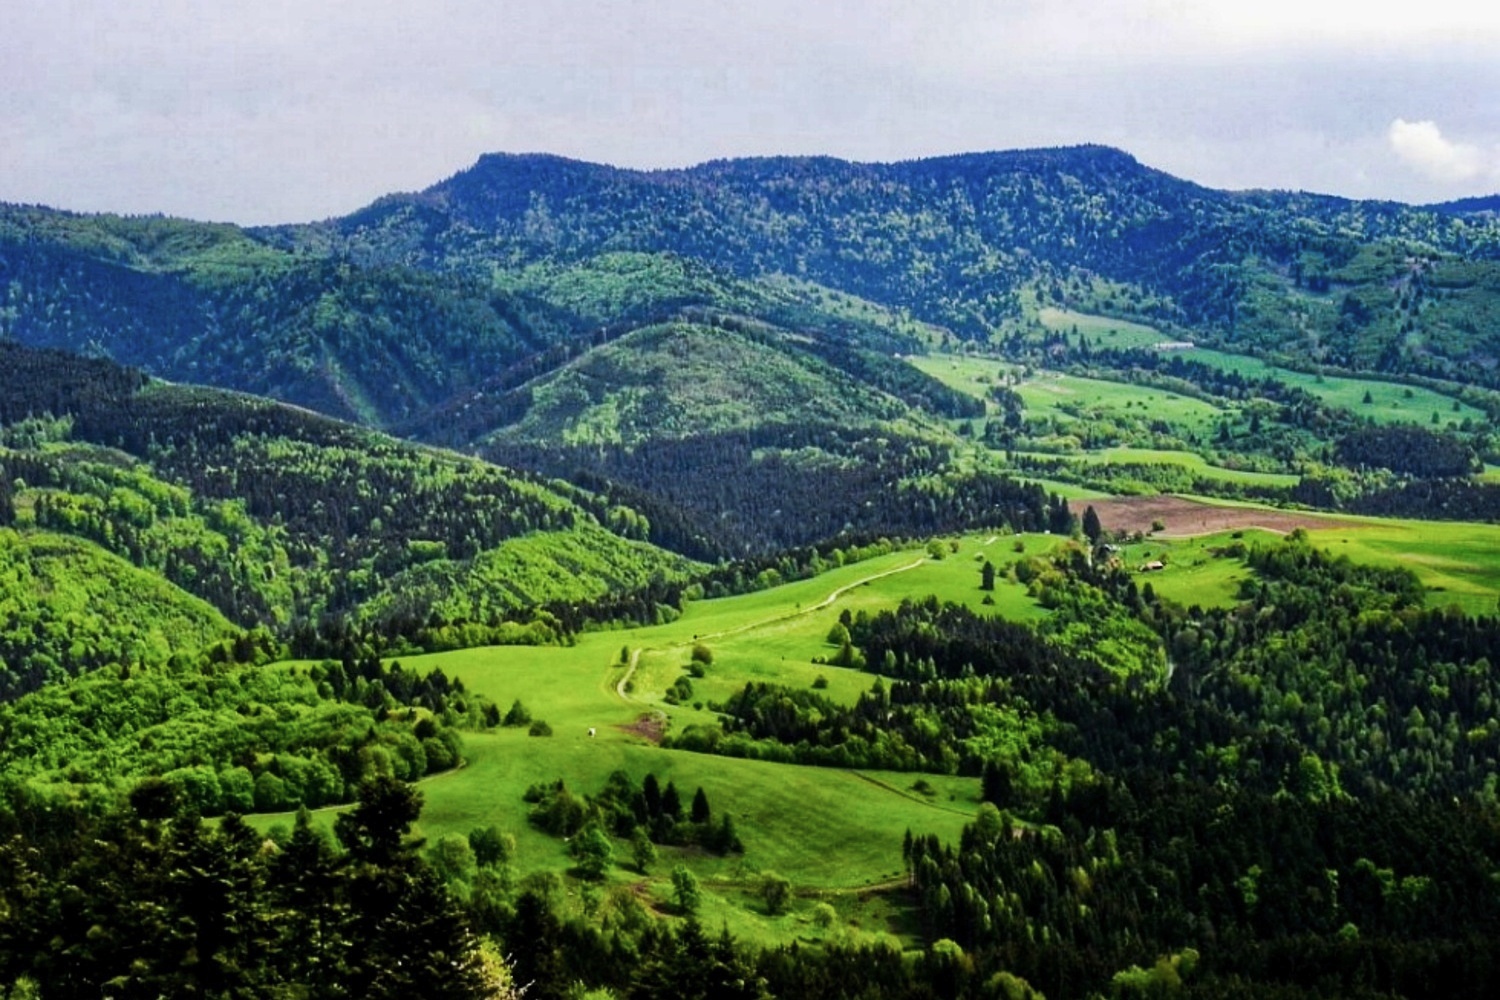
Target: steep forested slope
421	298
963	240
275	515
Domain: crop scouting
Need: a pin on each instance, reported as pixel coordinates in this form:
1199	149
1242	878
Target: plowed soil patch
650	727
1184	517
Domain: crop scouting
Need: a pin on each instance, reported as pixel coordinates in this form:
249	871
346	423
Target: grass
1060	397
1050	394
1192	572
972	375
847	842
1390	402
1101	330
1458	562
836	834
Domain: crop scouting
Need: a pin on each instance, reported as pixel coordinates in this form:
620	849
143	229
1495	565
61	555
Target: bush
685	891
540	728
776	890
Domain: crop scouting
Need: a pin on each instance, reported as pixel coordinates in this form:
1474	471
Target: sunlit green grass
1389	402
1051	394
831	832
1459	562
827	830
1192	572
1101	330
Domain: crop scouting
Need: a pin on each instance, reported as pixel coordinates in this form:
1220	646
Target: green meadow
1101	330
1389	402
1050	394
1458	562
964	372
1194	570
835	834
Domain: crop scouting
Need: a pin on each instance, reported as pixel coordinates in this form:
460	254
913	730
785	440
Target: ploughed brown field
1184	517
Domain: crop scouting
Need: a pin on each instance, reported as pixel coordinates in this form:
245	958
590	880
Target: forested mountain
205	583
420	298
620	328
959	241
276	516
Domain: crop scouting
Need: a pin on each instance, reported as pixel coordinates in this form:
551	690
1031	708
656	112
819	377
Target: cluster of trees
828	483
178	907
275	515
1229	892
66	608
1407	450
1305	801
623	809
243	736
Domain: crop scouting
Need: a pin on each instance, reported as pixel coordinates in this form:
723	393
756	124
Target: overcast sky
292	110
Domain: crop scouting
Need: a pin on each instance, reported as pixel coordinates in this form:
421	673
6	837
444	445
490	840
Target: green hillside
701	634
68	606
278	517
680	380
970	242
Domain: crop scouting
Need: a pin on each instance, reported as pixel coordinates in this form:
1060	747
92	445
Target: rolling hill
277	517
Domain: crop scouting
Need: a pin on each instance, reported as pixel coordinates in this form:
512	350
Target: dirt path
635	654
886	786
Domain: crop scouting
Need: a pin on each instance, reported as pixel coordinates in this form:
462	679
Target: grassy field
972	375
1389	402
1050	394
836	834
1193	572
1457	561
1101	330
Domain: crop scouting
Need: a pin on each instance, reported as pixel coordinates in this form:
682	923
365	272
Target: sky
295	110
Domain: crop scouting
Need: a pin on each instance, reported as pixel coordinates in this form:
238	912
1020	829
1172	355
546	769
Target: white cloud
1423	147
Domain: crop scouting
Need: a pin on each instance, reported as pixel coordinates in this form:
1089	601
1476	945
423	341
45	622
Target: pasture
1102	331
1390	402
835	834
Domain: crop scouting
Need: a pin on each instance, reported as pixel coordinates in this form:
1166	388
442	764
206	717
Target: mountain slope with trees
277	517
